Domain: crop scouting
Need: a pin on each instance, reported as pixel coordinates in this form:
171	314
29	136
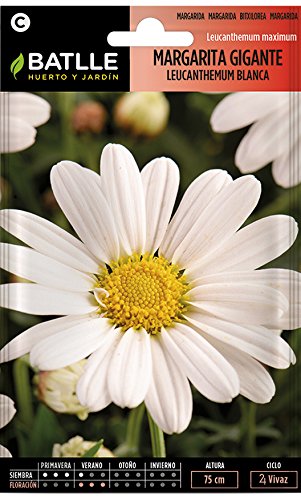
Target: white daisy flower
7	412
20	113
153	304
273	137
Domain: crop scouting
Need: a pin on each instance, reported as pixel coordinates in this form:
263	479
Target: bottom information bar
148	474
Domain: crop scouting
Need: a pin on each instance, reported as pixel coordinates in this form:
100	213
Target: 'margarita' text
215	57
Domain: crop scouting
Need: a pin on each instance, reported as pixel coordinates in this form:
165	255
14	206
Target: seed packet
150	261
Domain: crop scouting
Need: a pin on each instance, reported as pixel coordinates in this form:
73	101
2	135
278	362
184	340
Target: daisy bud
77	447
142	113
57	389
89	116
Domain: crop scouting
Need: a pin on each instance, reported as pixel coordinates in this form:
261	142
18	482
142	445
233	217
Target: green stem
157	439
65	104
130	447
249	427
23	392
134	429
251	434
91	159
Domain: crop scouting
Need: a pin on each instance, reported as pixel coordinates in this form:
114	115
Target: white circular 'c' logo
20	22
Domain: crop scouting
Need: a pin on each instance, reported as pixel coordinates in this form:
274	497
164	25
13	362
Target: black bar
147	474
77	30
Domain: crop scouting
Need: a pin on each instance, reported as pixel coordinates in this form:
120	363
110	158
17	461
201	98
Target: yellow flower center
143	291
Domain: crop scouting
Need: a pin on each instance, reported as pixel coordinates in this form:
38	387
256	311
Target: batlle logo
36	62
17	65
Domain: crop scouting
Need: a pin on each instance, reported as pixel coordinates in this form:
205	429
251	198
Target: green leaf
93	450
23	392
46	431
17	65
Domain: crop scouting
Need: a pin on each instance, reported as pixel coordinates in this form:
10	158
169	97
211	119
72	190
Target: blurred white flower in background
57	389
77	447
20	114
7	412
142	113
275	135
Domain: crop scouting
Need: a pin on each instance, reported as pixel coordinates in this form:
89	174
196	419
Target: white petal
37	299
251	247
123	189
77	190
100	294
289	283
70	345
30	107
92	388
291	319
205	367
25	341
169	398
240	109
256	383
48	239
257	341
219	221
286	168
4	452
195	200
19	134
33	266
277	278
7	410
160	180
130	369
244	303
259	146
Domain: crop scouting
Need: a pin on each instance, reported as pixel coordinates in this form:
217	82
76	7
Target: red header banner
235	48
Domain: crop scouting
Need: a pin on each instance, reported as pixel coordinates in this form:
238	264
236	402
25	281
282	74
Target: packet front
150	296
